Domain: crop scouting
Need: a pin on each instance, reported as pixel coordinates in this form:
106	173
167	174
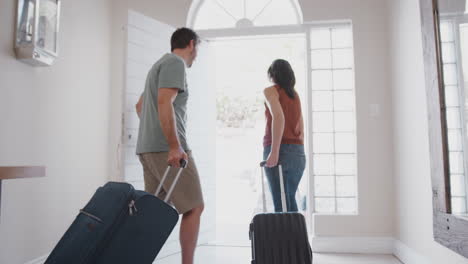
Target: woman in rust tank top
284	134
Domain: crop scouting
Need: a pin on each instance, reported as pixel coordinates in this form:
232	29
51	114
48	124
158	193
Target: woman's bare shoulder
270	91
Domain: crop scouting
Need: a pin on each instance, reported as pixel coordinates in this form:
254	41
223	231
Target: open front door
147	41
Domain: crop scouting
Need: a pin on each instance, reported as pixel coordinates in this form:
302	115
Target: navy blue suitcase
279	238
119	225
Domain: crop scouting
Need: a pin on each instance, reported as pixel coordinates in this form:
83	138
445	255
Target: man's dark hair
181	38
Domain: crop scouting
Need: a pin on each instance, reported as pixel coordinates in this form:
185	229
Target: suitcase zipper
111	228
132	208
82	211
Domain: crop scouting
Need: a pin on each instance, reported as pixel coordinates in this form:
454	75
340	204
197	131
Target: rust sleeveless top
293	123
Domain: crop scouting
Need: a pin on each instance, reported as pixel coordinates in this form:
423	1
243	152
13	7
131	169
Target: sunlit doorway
240	74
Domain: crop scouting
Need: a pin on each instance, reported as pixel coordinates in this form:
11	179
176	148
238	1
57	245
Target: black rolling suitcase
279	238
119	225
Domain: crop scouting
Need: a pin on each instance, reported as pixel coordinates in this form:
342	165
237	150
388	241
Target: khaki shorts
187	194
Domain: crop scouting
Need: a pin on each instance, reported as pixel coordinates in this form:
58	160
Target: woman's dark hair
282	74
181	38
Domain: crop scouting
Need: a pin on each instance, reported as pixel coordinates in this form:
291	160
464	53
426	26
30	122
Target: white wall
412	168
374	134
57	117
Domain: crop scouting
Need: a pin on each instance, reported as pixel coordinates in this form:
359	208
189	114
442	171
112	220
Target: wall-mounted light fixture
37	28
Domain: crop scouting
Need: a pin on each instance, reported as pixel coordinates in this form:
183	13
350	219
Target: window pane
455	140
453	118
458	205
346	205
446	31
342	38
321	59
345	186
343	80
323	143
210	10
457	185
451	96
450	74
448	52
456	163
325	205
270	17
322	101
344	122
345	143
344	101
320	38
345	164
343	58
234	7
322	122
324	164
324	186
322	80
254	7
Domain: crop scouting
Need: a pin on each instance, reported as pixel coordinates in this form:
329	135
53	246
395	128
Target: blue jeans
293	160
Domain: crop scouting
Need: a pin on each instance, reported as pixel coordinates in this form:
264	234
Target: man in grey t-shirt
162	136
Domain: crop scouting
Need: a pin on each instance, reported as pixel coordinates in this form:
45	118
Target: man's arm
171	80
139	106
166	97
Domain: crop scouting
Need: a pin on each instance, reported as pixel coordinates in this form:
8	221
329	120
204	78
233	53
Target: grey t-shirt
168	72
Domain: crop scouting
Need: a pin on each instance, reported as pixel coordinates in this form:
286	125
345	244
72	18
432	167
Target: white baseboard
368	245
356	245
407	255
39	260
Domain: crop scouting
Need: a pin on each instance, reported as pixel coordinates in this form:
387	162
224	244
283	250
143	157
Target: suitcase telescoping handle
183	165
283	195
